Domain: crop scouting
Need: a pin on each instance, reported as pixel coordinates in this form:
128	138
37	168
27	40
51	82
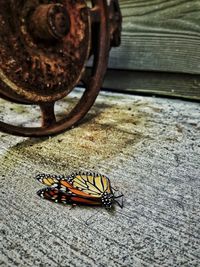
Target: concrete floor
150	149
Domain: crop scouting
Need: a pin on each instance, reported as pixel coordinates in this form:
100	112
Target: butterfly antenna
92	216
121	205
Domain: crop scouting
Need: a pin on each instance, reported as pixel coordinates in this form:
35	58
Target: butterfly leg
73	206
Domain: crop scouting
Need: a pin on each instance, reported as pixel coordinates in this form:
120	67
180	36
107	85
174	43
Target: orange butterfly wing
82	188
55	195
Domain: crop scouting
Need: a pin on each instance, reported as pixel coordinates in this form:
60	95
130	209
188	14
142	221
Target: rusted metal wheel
44	48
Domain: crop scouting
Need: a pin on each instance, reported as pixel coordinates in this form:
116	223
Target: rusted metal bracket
44	48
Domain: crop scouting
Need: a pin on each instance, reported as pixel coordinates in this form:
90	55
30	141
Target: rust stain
107	134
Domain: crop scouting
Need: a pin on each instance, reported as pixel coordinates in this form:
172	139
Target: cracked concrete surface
150	150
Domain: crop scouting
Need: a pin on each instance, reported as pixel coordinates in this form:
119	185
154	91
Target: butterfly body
78	188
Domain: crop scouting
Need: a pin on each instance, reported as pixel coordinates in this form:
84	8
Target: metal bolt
50	21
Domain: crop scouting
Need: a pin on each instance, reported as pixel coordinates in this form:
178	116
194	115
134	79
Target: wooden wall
160	51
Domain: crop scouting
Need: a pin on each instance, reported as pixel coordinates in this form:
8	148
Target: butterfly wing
48	179
58	196
90	183
85	188
55	195
61	183
56	181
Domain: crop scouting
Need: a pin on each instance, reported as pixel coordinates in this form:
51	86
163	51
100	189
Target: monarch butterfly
83	188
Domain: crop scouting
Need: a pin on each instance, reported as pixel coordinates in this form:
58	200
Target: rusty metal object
115	18
44	48
50	21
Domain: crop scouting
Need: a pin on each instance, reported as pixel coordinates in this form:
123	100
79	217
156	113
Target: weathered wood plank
154	83
160	36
